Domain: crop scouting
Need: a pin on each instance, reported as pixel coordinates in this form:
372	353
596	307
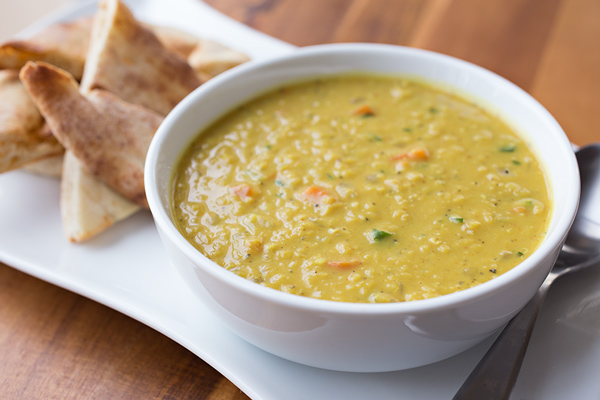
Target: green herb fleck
516	162
268	147
279	183
376	138
330	176
508	148
252	175
379	235
433	110
520	254
457	220
407	129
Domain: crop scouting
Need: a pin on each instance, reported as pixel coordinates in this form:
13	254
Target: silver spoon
495	375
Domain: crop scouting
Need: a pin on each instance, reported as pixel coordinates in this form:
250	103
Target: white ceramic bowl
352	336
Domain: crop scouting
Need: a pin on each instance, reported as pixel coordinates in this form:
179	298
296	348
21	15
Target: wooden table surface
58	345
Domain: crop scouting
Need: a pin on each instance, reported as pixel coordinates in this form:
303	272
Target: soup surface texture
362	189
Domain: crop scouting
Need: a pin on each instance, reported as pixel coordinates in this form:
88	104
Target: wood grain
58	345
567	81
550	48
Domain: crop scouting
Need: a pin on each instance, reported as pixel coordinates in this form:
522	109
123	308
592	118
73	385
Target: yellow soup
362	189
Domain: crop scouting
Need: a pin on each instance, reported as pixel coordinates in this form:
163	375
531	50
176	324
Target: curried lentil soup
362	189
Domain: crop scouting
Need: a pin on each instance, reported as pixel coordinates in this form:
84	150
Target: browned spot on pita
23	137
127	59
108	135
64	45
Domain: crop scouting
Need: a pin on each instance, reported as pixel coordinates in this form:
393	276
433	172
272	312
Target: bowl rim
552	242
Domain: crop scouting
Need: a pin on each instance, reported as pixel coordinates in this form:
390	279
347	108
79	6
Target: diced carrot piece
314	192
344	264
364	110
316	195
520	209
414	154
243	191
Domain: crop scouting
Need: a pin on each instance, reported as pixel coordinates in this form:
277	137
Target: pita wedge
50	167
177	41
23	136
127	59
64	45
119	50
210	58
88	208
108	135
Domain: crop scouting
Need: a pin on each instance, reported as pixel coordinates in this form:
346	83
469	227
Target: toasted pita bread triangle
88	208
22	132
115	57
50	167
209	59
64	45
108	135
179	42
127	59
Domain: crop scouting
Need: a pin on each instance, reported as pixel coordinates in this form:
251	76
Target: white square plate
126	269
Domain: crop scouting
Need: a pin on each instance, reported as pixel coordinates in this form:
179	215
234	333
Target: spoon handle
495	375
